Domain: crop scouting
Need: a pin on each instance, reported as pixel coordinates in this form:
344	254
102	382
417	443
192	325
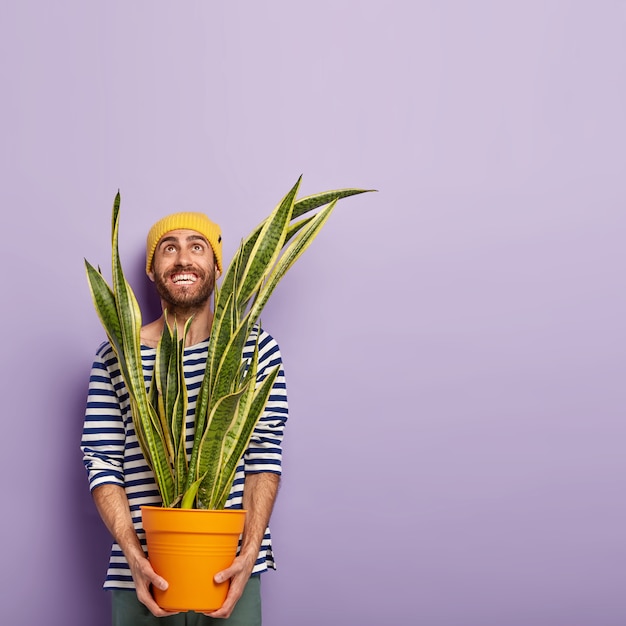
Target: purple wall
454	344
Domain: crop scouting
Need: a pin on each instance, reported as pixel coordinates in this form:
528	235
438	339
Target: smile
184	279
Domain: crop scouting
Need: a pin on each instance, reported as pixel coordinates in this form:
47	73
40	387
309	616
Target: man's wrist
249	557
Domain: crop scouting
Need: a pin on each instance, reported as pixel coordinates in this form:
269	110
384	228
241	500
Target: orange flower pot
188	547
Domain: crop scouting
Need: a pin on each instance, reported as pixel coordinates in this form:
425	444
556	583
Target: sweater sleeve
103	436
264	453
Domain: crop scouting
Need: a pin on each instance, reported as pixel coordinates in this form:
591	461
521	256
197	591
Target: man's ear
217	273
150	275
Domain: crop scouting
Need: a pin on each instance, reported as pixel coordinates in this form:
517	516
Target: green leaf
230	400
309	203
267	246
297	247
236	443
210	457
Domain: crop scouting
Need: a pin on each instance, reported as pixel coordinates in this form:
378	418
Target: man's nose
183	257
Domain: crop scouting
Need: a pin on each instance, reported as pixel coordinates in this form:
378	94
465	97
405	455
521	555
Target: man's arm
259	495
112	504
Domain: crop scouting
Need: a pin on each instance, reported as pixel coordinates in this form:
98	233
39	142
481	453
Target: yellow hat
191	221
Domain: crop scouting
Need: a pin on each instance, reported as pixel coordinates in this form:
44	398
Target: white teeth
184	278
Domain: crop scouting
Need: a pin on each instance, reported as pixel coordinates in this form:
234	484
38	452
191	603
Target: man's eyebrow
172	238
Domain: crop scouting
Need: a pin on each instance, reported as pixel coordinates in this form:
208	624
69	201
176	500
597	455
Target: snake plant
230	401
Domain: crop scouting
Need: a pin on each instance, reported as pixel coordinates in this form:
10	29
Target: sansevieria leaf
233	394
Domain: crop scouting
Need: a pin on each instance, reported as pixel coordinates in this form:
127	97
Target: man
183	259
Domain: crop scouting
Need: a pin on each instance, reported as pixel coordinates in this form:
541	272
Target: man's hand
238	573
144	577
112	505
259	494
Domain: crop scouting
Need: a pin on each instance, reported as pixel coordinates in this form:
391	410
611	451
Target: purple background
454	343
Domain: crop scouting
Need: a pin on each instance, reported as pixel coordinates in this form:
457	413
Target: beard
185	298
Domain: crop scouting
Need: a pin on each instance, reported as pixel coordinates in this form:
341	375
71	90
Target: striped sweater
111	451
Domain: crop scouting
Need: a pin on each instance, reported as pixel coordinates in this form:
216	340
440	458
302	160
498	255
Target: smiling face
183	270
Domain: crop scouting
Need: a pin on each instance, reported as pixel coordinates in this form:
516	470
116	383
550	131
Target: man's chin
188	303
184	297
186	300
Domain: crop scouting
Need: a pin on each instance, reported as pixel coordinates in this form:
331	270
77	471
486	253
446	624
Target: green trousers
128	611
